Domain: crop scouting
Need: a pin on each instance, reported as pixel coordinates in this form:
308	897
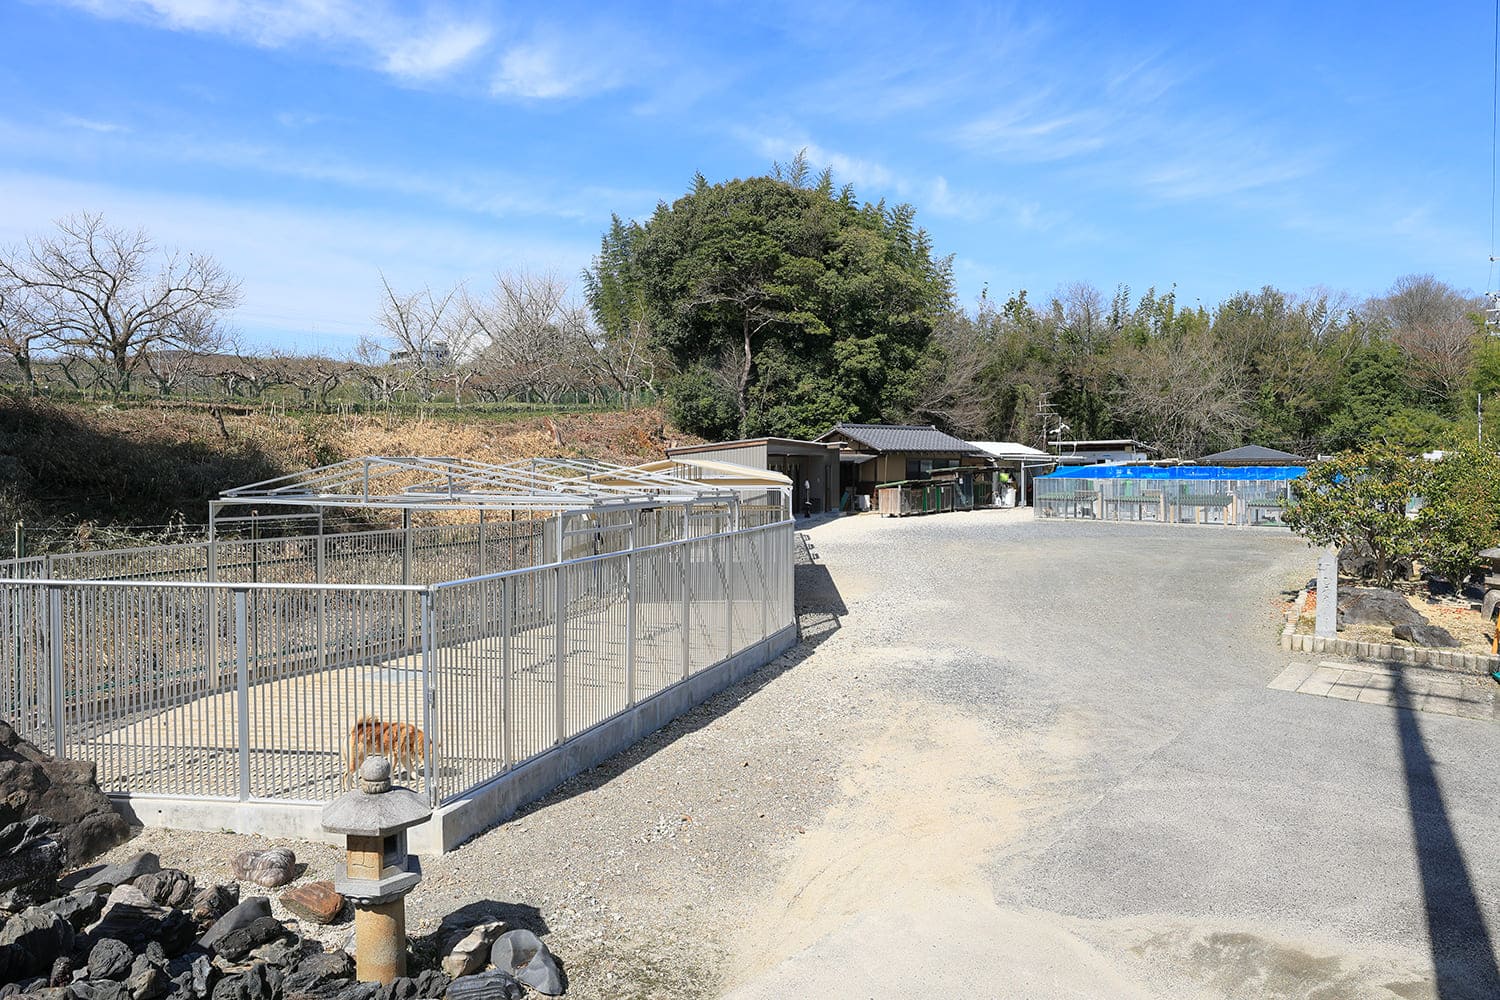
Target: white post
1327	622
55	634
429	695
321	573
687	601
507	721
560	651
211	634
406	615
630	602
242	686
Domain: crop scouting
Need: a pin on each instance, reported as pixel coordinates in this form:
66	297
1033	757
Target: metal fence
1248	502
241	669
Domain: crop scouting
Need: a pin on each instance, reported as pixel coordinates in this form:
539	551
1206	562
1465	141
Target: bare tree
19	329
109	294
176	360
417	326
533	336
1417	300
317	377
1441	354
951	395
1180	395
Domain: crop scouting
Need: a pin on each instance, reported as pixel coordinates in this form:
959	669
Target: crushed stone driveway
1074	781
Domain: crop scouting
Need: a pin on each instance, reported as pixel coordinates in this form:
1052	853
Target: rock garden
134	930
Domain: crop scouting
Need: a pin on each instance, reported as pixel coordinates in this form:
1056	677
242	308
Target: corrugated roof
1252	454
903	437
1009	449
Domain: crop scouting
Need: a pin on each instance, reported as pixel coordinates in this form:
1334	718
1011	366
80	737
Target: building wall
751	454
815	478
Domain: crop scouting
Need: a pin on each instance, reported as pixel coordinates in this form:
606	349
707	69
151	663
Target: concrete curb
482	807
1454	660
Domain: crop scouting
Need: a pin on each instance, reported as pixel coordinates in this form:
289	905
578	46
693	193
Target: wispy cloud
93	125
932	194
554	63
405	45
491	193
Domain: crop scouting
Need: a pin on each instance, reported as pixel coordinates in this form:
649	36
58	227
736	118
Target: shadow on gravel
1463	956
819	608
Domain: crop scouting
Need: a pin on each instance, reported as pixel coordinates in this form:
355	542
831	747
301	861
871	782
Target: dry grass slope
67	463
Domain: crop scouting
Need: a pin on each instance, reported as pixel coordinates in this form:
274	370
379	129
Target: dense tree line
780	305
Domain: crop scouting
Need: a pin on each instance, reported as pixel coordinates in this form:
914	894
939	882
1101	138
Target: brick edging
1423	656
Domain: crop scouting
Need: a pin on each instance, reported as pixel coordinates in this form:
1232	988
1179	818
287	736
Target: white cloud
93	125
549	68
411	46
493	194
437	51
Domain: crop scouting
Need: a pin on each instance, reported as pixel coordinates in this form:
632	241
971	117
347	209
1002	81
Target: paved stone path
1403	687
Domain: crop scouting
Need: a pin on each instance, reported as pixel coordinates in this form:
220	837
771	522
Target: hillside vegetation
62	465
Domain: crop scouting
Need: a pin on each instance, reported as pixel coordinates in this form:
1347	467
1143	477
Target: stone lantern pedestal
378	871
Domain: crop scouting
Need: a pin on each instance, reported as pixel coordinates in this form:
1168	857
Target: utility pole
1046	411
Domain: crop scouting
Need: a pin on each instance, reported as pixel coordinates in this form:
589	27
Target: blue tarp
1263	473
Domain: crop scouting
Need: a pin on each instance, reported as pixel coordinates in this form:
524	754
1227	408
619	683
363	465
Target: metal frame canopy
538	484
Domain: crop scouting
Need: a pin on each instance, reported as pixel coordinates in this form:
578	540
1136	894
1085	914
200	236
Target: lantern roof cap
376	808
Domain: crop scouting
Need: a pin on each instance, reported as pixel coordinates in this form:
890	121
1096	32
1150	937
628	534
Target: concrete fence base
480	808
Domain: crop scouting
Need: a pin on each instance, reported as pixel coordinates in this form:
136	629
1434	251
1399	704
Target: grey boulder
1425	635
241	915
37	938
522	954
272	868
106	877
1373	606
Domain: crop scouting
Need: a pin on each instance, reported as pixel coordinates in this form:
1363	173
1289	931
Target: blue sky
308	145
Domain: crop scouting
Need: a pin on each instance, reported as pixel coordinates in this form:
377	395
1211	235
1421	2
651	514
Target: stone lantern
378	871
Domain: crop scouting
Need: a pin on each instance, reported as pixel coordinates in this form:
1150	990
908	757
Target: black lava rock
493	985
320	975
109	876
109	958
40	936
242	915
237	944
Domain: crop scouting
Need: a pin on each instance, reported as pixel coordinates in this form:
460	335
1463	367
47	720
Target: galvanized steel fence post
55	635
242	686
560	653
429	696
687	598
507	714
630	603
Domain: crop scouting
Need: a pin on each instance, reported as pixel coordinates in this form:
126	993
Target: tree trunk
743	389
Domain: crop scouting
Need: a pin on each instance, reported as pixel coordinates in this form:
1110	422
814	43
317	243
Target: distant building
813	467
433	355
1252	454
1106	450
871	454
1023	462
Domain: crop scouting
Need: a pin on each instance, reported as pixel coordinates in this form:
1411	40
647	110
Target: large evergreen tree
786	308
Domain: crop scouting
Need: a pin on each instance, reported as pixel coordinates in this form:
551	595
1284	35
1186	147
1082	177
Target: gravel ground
1009	759
629	869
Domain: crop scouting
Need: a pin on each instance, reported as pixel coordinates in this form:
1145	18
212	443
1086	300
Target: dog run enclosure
521	622
1187	494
